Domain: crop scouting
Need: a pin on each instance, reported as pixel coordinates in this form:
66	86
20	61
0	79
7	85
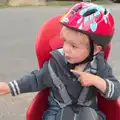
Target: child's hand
4	88
87	79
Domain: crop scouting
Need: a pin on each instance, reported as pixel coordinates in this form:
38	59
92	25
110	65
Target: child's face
76	45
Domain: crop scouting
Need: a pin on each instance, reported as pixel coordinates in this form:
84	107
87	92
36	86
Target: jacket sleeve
30	83
113	85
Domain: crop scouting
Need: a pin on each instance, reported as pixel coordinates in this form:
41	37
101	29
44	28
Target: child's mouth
68	58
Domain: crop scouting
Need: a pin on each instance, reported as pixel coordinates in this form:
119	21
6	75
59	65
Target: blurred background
5	3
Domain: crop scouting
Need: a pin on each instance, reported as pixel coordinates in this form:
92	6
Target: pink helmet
91	19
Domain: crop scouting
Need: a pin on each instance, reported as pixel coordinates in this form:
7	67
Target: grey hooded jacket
38	80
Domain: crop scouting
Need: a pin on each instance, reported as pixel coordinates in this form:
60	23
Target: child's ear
97	49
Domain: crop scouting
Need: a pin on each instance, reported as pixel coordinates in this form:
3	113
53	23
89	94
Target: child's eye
64	40
73	46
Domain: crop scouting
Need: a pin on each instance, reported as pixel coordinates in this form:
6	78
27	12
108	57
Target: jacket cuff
109	89
14	88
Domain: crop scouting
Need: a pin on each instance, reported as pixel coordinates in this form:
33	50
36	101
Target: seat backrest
48	38
47	34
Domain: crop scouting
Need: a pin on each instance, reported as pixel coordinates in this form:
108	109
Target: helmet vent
78	8
105	12
75	10
89	12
